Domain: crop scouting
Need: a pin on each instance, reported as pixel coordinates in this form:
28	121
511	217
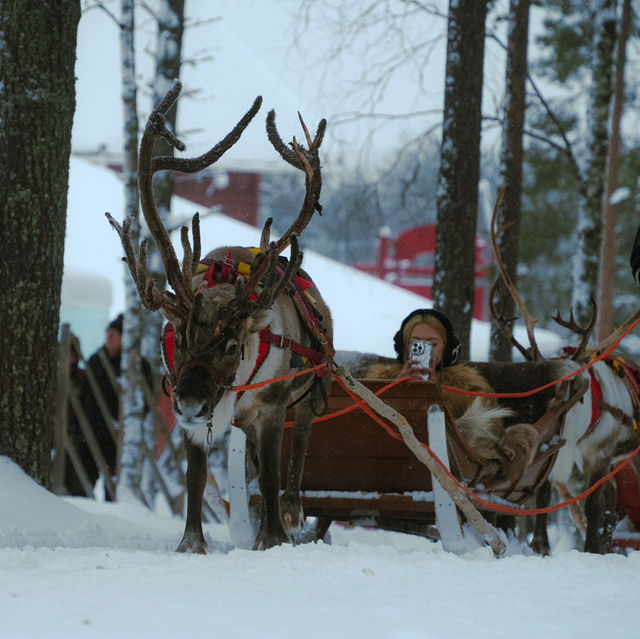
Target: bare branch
533	351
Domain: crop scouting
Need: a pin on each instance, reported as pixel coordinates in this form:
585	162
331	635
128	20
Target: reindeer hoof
266	540
193	543
292	516
540	547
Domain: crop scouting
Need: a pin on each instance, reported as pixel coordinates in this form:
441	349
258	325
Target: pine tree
454	280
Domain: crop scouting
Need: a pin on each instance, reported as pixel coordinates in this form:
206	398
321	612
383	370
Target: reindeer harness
226	271
630	375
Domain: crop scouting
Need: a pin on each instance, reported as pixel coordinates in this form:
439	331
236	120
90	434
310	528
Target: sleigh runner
356	471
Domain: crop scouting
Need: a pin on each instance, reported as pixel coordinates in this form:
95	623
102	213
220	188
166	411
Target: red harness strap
216	272
628	374
596	403
266	336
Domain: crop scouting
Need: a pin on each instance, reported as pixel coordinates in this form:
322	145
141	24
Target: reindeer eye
232	348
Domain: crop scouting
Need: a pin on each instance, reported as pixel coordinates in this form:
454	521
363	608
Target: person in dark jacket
100	399
635	259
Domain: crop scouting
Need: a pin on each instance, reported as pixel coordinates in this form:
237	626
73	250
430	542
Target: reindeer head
209	347
215	315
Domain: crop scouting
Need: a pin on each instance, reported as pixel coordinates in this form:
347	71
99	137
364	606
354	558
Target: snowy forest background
382	167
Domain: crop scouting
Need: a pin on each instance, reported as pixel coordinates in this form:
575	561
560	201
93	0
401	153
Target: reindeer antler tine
197	244
306	160
306	131
322	127
266	234
187	259
583	331
193	165
276	141
172	95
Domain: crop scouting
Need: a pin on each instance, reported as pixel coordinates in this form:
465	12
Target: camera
422	352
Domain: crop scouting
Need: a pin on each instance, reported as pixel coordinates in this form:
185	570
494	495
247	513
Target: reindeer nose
192	409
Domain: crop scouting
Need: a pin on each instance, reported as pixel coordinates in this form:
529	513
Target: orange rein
360	403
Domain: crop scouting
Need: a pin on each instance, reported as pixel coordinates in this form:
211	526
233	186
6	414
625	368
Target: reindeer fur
480	420
586	458
583	459
259	413
215	336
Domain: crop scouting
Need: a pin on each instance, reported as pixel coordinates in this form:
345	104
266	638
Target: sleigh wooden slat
355	470
354	453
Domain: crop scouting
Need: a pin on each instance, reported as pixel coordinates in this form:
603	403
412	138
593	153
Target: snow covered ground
72	567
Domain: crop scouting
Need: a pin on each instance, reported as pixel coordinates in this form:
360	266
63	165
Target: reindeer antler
307	160
583	331
503	323
177	305
533	352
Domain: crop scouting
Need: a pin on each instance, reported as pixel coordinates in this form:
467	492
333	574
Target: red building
408	261
236	193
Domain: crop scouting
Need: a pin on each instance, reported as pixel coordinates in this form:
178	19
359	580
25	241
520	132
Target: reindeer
595	429
220	312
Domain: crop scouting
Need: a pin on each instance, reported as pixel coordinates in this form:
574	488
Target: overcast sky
250	51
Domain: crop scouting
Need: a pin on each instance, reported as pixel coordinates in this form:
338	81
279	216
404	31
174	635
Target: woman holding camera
434	327
478	418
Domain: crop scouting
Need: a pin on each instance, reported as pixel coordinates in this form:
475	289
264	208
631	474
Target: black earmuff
452	347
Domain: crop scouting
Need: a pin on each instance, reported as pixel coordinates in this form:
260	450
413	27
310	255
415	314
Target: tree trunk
511	169
608	248
454	280
133	411
586	266
168	58
37	56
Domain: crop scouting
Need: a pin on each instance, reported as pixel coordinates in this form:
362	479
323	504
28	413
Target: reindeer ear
260	320
510	454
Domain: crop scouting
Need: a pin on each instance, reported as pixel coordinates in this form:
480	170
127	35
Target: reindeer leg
540	541
292	515
193	538
272	531
601	515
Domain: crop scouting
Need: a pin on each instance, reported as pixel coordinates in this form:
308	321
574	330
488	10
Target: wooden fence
69	406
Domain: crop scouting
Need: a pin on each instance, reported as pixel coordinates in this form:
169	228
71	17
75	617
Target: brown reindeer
224	313
595	429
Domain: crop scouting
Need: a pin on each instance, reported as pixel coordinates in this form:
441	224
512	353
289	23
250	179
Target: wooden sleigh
357	473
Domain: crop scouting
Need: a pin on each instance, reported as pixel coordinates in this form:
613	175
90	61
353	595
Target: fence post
61	412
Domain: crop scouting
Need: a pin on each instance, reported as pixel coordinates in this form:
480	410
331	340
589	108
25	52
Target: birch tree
454	279
169	15
557	161
37	102
133	405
